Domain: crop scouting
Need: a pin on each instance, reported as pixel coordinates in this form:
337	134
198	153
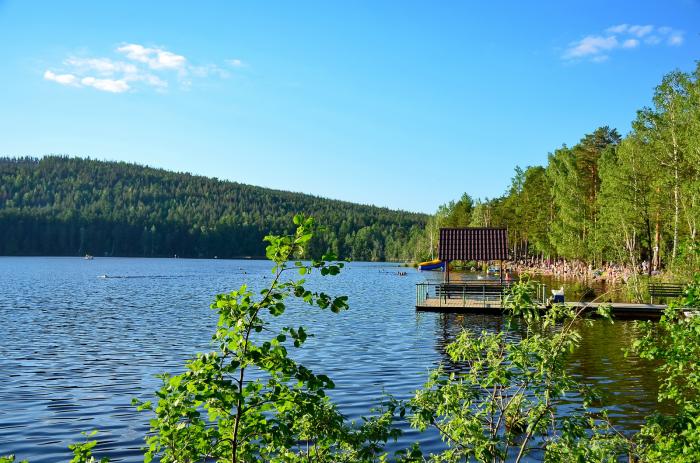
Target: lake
76	348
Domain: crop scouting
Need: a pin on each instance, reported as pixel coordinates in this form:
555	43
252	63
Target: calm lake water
77	348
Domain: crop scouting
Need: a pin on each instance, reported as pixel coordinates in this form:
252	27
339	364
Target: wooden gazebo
479	244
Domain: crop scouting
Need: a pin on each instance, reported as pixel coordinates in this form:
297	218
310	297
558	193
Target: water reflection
627	383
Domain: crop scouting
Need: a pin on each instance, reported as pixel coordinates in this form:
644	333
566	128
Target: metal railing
469	294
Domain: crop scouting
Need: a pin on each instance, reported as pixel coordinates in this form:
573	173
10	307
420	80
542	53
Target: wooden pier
487	298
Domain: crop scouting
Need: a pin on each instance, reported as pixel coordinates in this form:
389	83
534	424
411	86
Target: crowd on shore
610	272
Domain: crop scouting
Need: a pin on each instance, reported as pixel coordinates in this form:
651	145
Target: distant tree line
607	199
61	205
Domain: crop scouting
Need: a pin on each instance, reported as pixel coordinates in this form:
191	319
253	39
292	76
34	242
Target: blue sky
400	104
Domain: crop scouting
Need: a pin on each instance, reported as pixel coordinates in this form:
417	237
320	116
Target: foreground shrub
504	403
675	343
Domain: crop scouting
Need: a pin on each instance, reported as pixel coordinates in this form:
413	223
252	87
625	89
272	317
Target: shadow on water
627	383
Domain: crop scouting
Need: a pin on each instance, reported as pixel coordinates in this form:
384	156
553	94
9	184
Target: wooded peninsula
632	200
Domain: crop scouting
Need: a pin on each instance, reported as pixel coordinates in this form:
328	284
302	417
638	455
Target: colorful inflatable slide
431	265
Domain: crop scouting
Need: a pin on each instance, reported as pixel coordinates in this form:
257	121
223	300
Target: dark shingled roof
473	244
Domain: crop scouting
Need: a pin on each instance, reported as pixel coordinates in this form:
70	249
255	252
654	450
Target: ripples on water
76	348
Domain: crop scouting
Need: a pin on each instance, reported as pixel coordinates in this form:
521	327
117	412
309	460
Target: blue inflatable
431	265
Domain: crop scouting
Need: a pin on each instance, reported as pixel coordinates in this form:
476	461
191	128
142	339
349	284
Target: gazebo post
500	273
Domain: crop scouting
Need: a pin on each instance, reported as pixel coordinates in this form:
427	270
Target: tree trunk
676	187
650	255
676	212
657	239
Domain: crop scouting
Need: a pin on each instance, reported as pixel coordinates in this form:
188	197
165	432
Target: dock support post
544	294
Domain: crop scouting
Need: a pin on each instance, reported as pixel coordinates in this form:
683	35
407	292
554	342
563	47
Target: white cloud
676	39
630	29
102	66
146	78
167	60
619	29
598	47
135	52
106	85
209	70
155	58
143	67
640	31
63	79
591	45
236	63
153	81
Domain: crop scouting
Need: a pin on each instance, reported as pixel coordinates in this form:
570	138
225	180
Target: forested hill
72	206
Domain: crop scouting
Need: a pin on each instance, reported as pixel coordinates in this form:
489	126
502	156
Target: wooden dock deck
487	299
621	310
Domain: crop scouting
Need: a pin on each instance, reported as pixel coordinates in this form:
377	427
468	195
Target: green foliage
688	259
575	179
423	245
9	459
628	201
71	206
532	209
249	400
503	403
82	451
458	214
675	343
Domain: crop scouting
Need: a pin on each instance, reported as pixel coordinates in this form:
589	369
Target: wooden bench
665	290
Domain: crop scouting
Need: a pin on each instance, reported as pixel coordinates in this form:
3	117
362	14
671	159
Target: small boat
431	265
88	257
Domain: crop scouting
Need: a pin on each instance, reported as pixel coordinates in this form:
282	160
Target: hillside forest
70	206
